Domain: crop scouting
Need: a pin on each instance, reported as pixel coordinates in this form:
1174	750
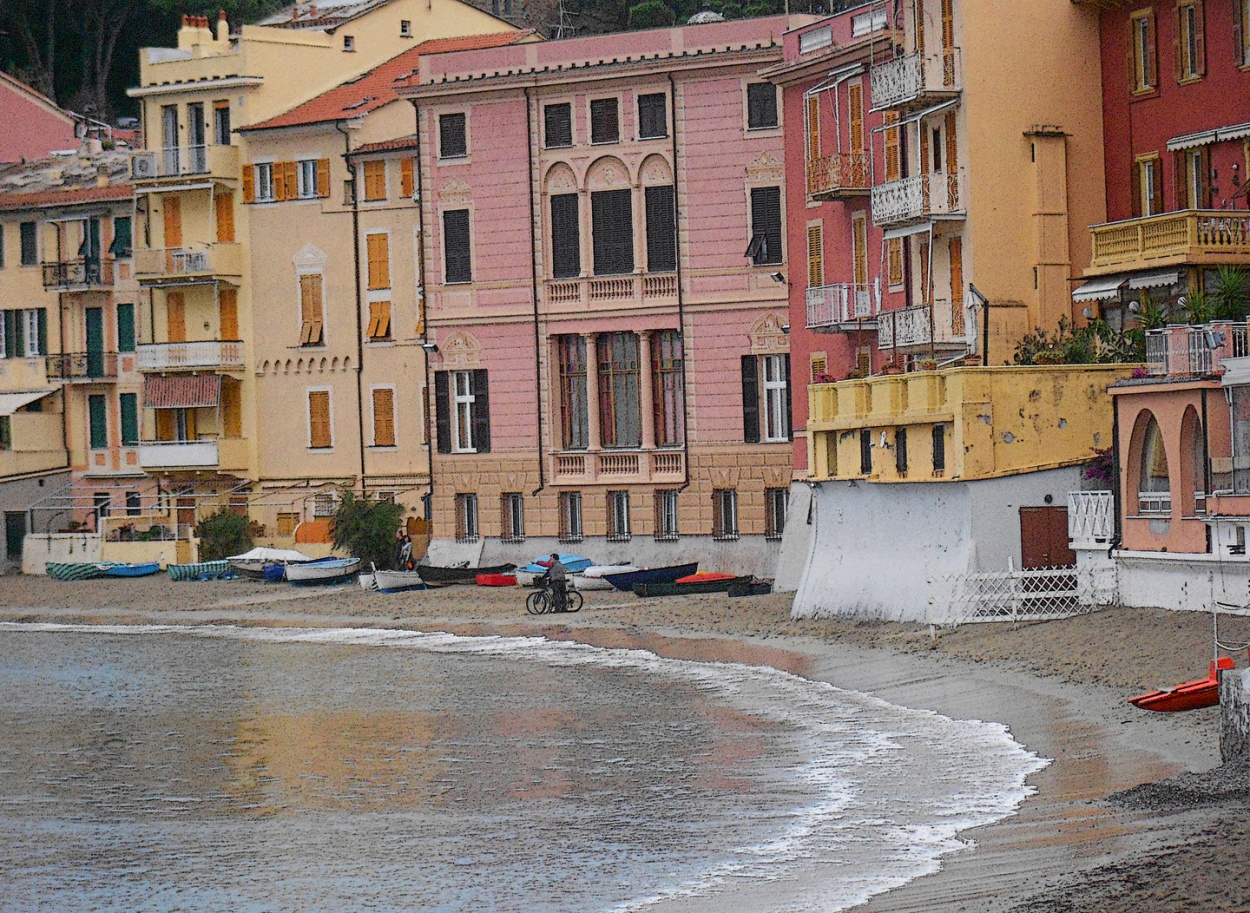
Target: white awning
906	230
1099	289
1155	280
1238	131
1191	140
11	402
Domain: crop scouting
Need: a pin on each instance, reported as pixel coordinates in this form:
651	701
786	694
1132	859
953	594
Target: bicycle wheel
573	601
536	602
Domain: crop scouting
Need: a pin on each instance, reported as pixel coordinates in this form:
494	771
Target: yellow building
203	317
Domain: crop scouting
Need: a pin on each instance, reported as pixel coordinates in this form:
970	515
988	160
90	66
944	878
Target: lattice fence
1037	594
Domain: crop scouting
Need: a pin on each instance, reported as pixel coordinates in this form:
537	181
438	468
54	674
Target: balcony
1197	236
78	274
156	265
601	291
1185	351
618	467
914	81
843	305
82	367
216	162
209	354
1091	518
223	454
920	198
838	176
903	328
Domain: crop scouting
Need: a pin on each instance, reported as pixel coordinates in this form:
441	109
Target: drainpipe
538	372
360	344
985	323
681	300
1206	453
1118	531
431	431
60	323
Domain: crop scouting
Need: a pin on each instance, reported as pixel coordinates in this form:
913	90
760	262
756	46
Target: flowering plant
1101	468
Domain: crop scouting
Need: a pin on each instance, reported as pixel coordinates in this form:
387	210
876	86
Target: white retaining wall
38	550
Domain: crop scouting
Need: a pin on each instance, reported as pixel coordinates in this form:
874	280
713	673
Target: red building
41	125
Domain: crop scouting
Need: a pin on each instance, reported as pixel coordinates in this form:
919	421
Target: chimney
101	175
223	27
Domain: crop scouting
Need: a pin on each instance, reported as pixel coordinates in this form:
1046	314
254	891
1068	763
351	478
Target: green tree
223	534
1229	295
651	14
365	528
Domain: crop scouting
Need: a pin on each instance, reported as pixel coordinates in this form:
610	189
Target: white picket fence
1037	594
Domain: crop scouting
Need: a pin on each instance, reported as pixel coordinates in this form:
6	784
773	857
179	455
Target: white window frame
30	328
571	515
725	508
307	171
462	403
1143	28
667	526
773	393
512	523
776	507
1149	171
1193	178
618	517
467	517
263	183
1189	42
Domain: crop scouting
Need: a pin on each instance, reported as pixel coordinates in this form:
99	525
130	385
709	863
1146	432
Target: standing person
399	549
405	553
558	578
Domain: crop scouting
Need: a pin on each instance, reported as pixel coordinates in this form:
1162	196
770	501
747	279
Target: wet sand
1076	846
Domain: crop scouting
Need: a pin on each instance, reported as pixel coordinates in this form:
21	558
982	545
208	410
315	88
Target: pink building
43	126
605	275
845	272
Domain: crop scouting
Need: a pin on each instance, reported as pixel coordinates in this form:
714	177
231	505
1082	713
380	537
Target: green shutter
130	418
120	247
125	328
42	322
98	415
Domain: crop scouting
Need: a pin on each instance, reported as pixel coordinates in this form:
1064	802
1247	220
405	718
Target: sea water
266	770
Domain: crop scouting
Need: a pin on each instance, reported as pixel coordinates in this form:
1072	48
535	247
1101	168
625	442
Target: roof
35	95
65	180
370	91
321	14
390	145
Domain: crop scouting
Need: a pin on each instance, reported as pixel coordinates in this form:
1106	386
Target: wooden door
14	533
186	514
173	222
228	310
176	316
223	206
1044	538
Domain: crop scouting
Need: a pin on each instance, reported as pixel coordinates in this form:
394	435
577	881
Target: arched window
1154	486
1194	460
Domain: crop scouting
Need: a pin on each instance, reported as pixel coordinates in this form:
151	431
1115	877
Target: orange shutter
384	418
375	181
164	424
228	309
176	317
925	162
379	319
815	256
310	303
957	286
231	409
952	144
893	158
319	418
249	184
919	8
948	25
813	128
857	117
859	250
379	261
223	205
323	177
894	258
406	183
172	220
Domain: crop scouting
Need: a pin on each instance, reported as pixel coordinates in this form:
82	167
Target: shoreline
1057	686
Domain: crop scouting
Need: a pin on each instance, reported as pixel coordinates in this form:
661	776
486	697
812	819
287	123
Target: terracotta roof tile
376	88
66	197
390	145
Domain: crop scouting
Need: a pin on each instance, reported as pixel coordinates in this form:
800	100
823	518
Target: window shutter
813	128
379	257
452	136
406	182
785	367
384	418
604	121
1204	163
130	418
815	256
481	413
1178	54
1137	190
750	399
11	335
379	319
893	159
1151	68
292	180
856	100
1156	199
1239	34
228	313
1200	36
661	230
612	231
925	161
952	144
766	221
458	261
566	254
557	126
311	319
98	421
125	327
323	177
249	183
319	418
41	320
442	411
223	206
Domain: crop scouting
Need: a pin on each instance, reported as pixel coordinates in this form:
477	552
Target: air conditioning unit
143	167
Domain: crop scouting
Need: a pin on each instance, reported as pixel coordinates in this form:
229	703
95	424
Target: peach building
604	262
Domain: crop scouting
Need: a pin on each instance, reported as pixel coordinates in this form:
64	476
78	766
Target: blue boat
626	582
145	569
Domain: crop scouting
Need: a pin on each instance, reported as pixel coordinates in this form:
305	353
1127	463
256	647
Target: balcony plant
1230	295
1093	344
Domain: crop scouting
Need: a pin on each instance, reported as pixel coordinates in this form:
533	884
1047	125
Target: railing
667	464
918	197
222	258
82	366
83	271
1206	234
841	172
612	289
1194	350
619	466
178	161
1091	517
1154	502
912	79
906	327
177	454
840	303
167	356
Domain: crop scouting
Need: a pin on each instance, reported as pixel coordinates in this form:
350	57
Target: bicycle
540	602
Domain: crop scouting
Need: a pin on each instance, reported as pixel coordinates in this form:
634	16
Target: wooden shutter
41	329
165	424
1156	186
661	230
926	291
379	257
249	184
893	151
785	375
231	408
948	25
176	317
952	144
129	403
859	251
375	181
172	221
766	220
1151	67
292	180
1137	189
894	259
384	417
815	256
125	327
819	365
311	311
919	29
1200	36
1239	32
957	286
457	255
379	319
442	411
857	117
228	311
1178	48
566	254
925	161
612	231
323	177
813	128
407	184
750	399
319	418
481	413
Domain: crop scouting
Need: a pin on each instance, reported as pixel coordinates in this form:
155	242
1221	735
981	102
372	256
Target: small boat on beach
592	578
143	569
712	583
252	563
397	581
201	570
625	582
442	576
75	570
1202	692
529	575
335	570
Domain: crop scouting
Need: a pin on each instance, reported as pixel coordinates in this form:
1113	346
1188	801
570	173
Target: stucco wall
44	128
38	550
1234	714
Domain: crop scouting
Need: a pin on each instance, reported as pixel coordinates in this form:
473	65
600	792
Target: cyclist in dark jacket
558	579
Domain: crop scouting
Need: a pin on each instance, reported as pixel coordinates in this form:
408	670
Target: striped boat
75	570
203	570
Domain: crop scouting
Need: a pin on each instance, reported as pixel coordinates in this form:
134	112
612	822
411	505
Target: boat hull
1202	692
689	589
443	575
313	574
625	582
74	570
147	569
397	581
203	570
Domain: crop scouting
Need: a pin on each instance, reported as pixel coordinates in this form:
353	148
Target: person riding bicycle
557	577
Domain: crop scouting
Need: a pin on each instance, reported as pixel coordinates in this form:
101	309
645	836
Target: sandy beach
1133	814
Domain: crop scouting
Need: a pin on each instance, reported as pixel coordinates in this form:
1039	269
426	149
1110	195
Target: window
121	246
815	255
378	270
619	419
325	504
311	310
939	449
1144	76
618	516
612	231
661	230
1241	29
287	523
725	513
383	416
1	246
557	126
221	123
309	186
129	403
765	246
453	139
1191	41
134	504
462	411
379	321
653	116
855	98
666	515
375	181
566	252
263	182
761	106
1154	485
1148	189
571	353
102	501
30	244
405	28
570	516
900	451
766	383
349	43
894	261
125	327
668	389
24	332
97	420
319	433
775	502
466	518
605	125
6	433
1192	170
865	23
457	257
512	516
865	452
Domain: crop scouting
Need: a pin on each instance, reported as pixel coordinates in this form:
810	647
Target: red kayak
1203	692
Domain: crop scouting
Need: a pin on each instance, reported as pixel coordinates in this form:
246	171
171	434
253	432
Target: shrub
365	528
650	14
222	534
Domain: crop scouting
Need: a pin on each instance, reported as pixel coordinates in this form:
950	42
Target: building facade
45	127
